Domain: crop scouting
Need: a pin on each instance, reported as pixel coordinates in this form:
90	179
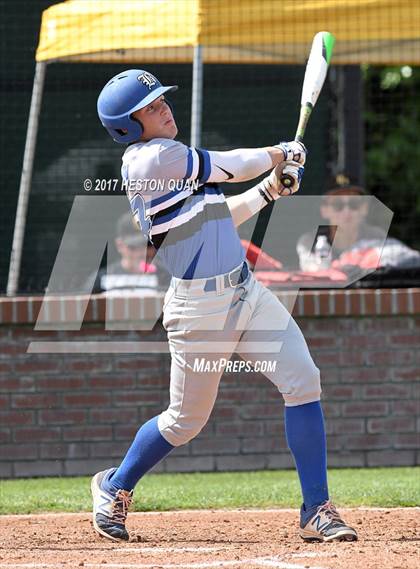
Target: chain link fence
364	128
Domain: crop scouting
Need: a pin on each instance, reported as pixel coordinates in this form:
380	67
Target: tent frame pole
26	179
197	96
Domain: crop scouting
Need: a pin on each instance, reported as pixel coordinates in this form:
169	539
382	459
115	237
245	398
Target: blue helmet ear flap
123	129
138	124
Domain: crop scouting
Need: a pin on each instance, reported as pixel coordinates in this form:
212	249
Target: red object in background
256	255
147	267
368	258
269	273
321	278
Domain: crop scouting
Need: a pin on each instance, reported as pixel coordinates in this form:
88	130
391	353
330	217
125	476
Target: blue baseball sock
147	449
305	435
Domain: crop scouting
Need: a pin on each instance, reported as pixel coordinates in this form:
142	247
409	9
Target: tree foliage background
392	120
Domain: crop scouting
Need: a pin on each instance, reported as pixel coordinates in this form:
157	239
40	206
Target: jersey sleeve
230	166
166	159
238	165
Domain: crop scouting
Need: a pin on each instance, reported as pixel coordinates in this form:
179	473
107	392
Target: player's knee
307	386
179	430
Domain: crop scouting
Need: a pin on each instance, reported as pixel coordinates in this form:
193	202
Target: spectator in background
137	270
357	244
340	206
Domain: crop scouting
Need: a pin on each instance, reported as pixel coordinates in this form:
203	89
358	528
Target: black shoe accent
113	529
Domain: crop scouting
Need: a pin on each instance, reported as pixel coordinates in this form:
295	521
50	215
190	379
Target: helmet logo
147	79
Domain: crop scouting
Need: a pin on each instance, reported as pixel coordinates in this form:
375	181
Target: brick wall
69	414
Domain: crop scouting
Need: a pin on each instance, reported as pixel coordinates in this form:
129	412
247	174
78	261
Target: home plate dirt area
250	539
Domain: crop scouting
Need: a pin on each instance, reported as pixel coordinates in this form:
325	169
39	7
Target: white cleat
326	525
110	509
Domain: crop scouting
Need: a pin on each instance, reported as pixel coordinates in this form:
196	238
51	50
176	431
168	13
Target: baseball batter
214	307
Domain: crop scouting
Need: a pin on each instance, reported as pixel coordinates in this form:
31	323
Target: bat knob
287	181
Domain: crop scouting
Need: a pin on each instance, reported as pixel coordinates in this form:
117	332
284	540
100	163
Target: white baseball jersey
174	193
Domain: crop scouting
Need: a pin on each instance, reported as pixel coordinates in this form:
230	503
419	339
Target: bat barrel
315	73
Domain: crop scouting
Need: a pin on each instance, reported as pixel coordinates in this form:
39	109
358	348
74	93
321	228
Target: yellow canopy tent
234	31
210	31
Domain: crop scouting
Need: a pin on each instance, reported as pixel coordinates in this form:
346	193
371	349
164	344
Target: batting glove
295	151
272	187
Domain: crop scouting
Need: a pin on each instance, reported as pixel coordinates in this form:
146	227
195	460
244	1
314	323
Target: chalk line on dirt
211	511
310	554
157	550
262	561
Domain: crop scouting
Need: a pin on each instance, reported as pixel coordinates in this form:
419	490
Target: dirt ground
251	539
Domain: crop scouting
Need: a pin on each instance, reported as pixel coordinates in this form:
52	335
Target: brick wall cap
69	309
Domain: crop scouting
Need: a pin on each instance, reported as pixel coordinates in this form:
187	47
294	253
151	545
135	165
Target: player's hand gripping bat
315	73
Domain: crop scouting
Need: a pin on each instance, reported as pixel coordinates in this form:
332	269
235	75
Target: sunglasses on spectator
339	205
134	246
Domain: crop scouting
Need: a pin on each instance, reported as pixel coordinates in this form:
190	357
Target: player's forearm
247	204
243	206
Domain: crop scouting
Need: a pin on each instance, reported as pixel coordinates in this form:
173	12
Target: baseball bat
315	73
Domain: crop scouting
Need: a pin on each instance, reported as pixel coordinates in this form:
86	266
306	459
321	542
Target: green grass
386	487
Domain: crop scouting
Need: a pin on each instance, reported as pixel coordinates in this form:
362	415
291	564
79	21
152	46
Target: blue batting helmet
125	93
